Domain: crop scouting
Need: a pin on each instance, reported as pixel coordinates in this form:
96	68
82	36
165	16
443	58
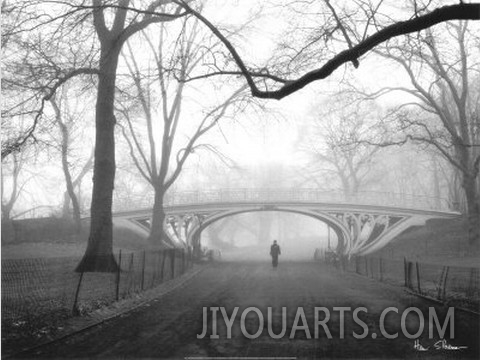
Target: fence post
172	262
158	263
417	267
164	257
440	283
445	284
409	274
183	261
190	257
143	270
472	282
77	292
117	290
154	269
131	271
380	268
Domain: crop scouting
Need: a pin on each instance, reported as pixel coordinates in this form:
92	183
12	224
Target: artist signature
439	345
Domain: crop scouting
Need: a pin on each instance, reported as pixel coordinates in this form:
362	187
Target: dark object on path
274	252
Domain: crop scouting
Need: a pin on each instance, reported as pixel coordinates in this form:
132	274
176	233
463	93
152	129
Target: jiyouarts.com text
253	322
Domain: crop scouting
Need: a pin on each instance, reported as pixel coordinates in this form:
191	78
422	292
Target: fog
248	236
326	136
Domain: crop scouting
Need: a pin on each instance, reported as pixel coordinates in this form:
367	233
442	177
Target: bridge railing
307	196
246	195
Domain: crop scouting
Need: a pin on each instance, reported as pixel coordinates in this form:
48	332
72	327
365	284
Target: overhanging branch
451	12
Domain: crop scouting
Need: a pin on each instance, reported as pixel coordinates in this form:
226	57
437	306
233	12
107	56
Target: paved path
167	327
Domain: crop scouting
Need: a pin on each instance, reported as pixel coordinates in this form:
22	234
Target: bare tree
337	143
445	110
162	160
8	201
47	135
77	187
68	123
456	195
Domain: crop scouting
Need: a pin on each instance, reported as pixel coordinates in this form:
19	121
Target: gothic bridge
363	223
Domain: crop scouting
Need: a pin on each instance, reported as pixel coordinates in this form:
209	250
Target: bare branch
342	28
15	145
442	14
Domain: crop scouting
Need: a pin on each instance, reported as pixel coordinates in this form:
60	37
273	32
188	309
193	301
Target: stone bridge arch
342	232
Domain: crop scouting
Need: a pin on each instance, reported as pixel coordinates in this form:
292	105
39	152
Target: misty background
362	130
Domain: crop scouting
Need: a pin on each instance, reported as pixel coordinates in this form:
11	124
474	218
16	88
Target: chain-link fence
38	287
454	285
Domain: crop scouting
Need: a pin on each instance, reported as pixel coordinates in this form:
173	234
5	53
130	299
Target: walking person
274	252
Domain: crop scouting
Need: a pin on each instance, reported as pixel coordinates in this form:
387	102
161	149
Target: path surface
167	327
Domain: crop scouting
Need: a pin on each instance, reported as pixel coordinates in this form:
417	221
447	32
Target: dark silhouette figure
274	252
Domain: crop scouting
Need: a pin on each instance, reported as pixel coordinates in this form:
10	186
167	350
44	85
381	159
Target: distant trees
76	186
445	111
337	144
10	174
38	57
411	170
223	232
11	170
69	122
30	70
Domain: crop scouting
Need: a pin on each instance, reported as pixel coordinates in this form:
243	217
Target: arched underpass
247	235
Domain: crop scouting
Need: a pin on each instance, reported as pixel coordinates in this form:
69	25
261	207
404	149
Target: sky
275	138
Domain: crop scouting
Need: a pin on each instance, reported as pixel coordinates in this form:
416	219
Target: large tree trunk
345	186
473	209
68	181
158	236
436	183
456	193
7	228
6	211
99	253
7	206
77	184
66	205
